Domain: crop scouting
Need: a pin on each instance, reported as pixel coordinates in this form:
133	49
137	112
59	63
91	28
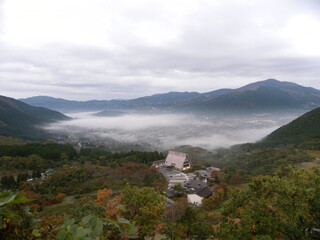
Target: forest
97	194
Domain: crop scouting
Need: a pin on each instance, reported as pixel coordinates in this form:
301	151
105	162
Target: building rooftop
196	184
204	173
177	160
204	192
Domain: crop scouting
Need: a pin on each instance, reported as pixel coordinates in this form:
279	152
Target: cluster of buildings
44	175
172	168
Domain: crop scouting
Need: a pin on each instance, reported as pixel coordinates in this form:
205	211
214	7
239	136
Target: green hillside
304	130
18	119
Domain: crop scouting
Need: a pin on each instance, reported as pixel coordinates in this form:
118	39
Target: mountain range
267	95
18	119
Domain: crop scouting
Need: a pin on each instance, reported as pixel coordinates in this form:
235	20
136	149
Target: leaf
36	233
27	209
122	220
97	229
80	232
21	199
62	235
113	223
132	229
69	221
86	219
6	197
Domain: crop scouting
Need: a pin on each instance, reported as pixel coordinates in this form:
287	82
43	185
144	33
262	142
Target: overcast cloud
93	49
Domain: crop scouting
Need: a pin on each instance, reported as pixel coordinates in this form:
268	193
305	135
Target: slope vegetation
303	131
19	119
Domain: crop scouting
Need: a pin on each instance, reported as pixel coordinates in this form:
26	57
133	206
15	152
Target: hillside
265	95
303	130
260	99
19	119
268	95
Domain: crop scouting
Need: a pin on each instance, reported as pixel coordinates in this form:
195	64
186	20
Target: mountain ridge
272	94
19	119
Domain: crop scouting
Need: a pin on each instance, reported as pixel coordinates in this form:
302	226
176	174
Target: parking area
175	177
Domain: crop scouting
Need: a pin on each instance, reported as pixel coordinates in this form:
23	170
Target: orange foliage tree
113	207
60	197
104	196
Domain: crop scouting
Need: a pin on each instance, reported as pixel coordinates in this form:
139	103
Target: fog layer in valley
166	131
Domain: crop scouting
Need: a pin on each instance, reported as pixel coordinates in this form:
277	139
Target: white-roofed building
178	160
194	199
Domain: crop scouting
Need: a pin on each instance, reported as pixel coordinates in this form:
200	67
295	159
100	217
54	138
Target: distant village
177	169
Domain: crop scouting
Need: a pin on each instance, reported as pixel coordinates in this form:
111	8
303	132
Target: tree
213	201
113	207
104	196
60	197
176	211
202	231
8	182
22	177
236	179
274	208
36	173
144	206
189	219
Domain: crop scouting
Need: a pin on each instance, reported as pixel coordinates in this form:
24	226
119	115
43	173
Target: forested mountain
265	95
303	130
259	96
22	120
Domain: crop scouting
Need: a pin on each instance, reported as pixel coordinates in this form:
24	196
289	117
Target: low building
194	199
158	164
201	193
204	173
178	160
195	184
211	169
204	192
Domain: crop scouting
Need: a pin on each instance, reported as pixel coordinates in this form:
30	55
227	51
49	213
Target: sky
101	49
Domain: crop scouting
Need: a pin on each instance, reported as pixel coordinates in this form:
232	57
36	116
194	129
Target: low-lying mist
167	131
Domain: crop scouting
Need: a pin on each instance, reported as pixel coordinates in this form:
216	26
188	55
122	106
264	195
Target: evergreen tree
8	182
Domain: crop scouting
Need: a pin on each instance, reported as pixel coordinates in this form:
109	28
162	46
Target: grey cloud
223	45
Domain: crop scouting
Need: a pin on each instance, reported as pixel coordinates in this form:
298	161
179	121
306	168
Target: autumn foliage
60	197
103	197
236	179
113	207
217	197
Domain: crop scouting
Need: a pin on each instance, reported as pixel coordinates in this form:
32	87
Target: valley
159	120
185	169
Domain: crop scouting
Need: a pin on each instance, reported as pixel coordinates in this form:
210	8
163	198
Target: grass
307	165
58	209
313	153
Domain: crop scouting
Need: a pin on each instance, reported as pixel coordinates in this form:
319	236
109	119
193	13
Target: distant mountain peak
258	96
